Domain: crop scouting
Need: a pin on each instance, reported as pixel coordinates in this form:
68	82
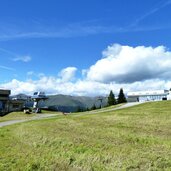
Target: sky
85	47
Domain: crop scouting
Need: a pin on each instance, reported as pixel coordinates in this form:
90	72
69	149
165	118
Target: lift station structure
37	98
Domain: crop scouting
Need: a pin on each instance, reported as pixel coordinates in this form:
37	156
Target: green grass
49	112
137	138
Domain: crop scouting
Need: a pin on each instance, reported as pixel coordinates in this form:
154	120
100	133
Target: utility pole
101	100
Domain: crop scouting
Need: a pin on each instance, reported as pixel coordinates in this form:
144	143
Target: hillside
65	103
135	138
71	103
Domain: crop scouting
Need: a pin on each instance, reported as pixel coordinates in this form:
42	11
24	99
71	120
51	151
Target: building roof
148	93
5	92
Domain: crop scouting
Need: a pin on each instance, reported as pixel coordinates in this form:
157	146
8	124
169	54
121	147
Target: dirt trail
112	109
38	116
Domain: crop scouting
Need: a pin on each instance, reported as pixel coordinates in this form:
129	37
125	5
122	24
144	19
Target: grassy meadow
135	138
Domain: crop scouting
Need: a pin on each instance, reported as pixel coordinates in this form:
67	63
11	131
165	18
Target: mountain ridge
68	103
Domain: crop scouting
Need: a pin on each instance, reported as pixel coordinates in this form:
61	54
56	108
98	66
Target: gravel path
37	117
41	116
129	105
112	109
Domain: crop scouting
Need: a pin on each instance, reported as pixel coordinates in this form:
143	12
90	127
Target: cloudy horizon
131	68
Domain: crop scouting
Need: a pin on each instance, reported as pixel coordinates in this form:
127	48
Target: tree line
111	100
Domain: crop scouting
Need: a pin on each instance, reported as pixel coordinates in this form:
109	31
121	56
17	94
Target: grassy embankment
136	138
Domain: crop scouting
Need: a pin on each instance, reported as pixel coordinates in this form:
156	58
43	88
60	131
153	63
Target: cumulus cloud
54	85
130	68
19	86
23	58
126	64
67	74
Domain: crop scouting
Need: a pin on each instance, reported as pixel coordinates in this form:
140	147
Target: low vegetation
136	138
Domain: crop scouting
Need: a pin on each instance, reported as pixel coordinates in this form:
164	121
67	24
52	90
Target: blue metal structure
37	97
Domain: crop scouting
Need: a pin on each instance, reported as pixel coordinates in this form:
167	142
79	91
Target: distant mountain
65	103
71	103
20	97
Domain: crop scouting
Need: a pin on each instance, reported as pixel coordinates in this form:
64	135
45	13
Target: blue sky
63	41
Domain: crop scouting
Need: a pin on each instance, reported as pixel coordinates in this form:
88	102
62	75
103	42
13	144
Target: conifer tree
121	97
79	109
93	107
111	99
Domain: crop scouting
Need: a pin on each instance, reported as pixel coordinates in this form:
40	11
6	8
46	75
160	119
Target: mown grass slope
136	138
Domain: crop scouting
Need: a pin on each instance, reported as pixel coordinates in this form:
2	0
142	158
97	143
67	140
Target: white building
154	95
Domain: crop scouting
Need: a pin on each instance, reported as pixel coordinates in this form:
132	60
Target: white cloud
125	64
130	68
78	30
53	85
6	68
19	86
67	74
155	9
22	58
30	73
